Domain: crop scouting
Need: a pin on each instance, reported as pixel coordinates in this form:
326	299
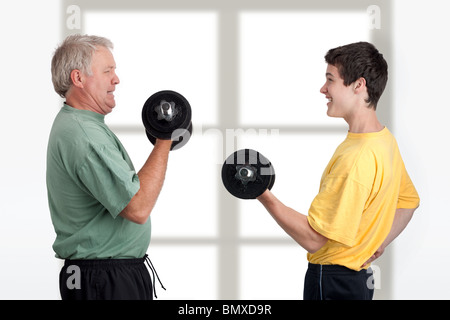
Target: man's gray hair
75	53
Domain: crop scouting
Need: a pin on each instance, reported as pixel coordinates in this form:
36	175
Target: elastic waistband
104	263
114	263
332	268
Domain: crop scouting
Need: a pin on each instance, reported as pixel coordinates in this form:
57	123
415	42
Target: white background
30	31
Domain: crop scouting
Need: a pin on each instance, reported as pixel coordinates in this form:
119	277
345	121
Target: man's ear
77	78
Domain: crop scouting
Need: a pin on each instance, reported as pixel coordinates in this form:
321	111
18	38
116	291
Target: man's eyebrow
108	68
329	74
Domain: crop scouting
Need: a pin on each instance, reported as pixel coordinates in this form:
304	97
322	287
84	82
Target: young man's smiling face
341	98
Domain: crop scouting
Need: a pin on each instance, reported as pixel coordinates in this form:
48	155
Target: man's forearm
151	178
294	223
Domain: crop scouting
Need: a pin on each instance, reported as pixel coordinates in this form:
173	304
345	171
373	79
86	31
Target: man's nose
115	79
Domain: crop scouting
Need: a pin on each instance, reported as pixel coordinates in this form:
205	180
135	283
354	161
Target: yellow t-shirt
361	187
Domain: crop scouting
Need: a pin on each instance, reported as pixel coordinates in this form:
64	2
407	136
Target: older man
99	205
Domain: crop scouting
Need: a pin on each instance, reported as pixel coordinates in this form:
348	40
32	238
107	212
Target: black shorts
106	279
333	282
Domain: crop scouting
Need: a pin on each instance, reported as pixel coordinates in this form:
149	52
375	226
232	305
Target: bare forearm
294	223
151	178
401	220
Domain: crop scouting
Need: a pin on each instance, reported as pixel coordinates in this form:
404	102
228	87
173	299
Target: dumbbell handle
166	110
167	116
245	174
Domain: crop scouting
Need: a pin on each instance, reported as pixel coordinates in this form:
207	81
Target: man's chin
109	108
111	104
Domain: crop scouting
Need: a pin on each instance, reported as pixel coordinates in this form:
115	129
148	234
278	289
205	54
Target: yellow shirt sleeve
336	211
408	198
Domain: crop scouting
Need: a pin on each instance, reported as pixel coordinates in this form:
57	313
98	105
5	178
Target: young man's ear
359	85
77	78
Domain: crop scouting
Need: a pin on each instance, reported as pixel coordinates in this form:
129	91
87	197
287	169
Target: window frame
228	240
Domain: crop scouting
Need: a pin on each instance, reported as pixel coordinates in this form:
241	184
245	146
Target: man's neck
81	102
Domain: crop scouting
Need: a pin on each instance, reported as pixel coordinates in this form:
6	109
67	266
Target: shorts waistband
332	268
103	262
112	263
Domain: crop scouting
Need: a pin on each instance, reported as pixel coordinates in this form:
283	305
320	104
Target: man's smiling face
101	84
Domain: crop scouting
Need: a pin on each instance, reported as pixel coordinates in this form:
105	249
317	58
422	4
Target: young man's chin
332	115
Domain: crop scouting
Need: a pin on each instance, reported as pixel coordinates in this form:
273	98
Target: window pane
299	161
282	63
161	51
187	204
272	272
187	272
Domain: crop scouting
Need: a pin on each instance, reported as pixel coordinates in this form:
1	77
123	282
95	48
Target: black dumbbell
246	174
167	115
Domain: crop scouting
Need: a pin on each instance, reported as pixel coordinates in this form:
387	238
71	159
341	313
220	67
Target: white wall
421	117
28	104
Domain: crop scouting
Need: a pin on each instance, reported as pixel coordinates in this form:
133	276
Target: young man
366	197
99	205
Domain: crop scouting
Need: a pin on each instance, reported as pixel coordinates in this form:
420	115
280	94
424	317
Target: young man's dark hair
358	60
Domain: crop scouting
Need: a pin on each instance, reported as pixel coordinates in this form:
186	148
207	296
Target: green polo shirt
90	180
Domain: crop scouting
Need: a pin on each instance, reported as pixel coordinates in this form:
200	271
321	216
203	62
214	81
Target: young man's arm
151	178
401	220
294	223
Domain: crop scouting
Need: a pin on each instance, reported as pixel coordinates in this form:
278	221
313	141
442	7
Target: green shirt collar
85	113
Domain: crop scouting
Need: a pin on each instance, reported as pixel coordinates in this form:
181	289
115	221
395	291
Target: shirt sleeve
336	211
408	198
109	178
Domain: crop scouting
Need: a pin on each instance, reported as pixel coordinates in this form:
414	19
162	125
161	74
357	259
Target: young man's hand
375	256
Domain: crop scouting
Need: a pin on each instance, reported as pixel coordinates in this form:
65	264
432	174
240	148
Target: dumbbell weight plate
181	137
246	174
162	128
